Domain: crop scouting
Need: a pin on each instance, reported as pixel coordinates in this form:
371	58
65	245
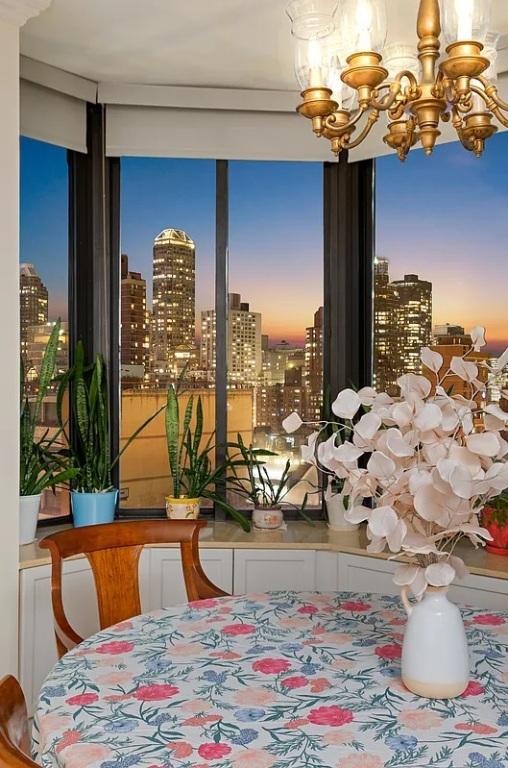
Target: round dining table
283	679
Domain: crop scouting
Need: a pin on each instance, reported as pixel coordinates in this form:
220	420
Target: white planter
29	507
182	509
435	656
267	518
336	514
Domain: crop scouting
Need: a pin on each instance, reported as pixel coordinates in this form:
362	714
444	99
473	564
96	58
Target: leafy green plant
498	507
87	386
250	479
42	465
192	472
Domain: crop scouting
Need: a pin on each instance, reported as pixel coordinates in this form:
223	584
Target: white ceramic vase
336	511
182	509
267	518
29	507
435	656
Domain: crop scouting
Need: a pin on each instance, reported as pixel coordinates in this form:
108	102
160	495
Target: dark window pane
43	278
441	265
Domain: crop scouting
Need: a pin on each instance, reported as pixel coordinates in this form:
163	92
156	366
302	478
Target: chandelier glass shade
348	77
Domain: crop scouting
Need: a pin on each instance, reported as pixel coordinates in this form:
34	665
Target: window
441	265
275	317
43	277
167	288
168	315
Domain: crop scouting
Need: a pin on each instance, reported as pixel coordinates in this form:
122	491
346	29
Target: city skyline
468	285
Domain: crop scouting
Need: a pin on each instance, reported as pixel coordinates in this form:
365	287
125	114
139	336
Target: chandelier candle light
419	469
338	46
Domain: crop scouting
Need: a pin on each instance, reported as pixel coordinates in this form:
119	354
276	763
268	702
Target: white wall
9	343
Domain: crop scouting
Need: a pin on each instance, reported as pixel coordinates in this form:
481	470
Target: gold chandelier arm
496	111
371	120
493	93
339	130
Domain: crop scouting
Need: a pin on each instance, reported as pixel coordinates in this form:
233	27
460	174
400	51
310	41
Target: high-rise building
174	298
135	339
313	367
455	343
385	331
413	322
244	341
33	297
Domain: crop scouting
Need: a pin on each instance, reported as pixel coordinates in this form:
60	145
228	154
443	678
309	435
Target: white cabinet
236	571
37	649
264	570
165	582
370	574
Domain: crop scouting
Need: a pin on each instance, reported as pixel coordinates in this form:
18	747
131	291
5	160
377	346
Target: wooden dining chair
14	733
113	551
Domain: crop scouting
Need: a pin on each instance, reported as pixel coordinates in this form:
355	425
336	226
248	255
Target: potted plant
41	465
192	474
495	520
427	463
250	479
93	496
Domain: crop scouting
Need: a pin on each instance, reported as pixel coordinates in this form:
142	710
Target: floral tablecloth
282	680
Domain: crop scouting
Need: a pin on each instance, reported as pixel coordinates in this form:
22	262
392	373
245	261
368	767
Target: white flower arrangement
428	461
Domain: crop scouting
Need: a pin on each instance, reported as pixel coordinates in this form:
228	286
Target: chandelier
346	85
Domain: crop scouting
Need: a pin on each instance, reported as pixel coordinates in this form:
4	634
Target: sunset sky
432	219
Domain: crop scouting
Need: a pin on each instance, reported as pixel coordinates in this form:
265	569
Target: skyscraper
244	341
385	331
313	367
174	297
33	297
413	322
134	324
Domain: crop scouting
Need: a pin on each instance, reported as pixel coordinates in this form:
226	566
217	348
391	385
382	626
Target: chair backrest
14	735
113	551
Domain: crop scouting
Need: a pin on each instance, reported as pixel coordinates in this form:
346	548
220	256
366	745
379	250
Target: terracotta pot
267	518
499	532
435	655
182	509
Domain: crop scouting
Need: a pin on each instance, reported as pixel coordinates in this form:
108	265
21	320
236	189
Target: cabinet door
167	587
369	574
265	570
37	639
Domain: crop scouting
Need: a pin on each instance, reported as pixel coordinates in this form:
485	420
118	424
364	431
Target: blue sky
442	217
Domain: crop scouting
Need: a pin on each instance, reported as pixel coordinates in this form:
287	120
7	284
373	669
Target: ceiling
216	43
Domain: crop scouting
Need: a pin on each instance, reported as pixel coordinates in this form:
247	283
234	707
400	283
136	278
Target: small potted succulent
93	496
249	478
42	464
495	520
192	474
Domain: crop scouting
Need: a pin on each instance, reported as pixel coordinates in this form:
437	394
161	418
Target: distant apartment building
385	330
174	298
413	321
452	341
244	358
135	339
313	368
33	298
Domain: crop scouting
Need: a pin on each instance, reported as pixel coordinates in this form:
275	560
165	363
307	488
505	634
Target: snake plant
89	408
42	462
192	472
